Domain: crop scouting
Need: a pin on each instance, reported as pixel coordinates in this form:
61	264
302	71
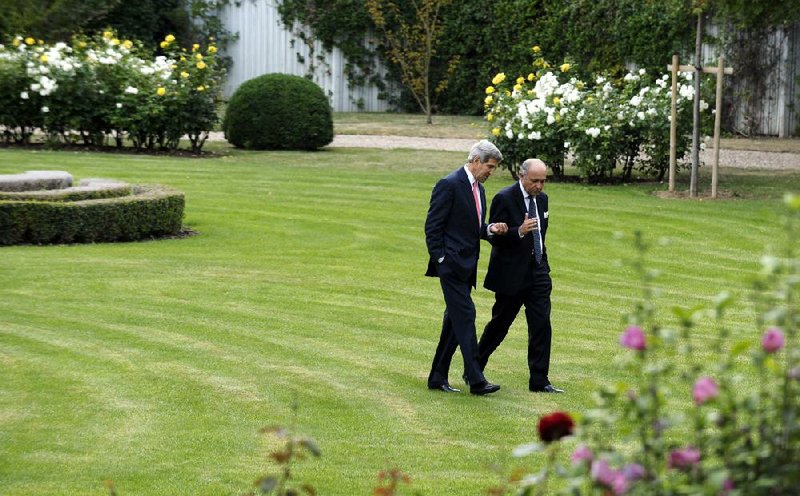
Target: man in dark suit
519	273
453	230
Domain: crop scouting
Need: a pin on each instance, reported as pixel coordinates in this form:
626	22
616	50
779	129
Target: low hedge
74	194
150	211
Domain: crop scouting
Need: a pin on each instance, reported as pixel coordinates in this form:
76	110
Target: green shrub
278	111
150	211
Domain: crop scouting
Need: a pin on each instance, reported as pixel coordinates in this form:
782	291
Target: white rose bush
603	124
100	89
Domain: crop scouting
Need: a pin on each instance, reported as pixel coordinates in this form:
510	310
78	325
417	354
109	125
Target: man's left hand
499	228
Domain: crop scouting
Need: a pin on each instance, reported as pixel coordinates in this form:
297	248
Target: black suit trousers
536	299
458	329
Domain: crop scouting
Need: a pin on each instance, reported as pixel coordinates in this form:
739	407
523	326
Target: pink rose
608	477
633	338
704	389
633	471
772	340
684	458
582	453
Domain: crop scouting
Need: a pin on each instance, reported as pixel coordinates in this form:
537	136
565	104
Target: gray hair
484	150
523	169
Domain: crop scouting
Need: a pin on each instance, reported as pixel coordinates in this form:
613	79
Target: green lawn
155	364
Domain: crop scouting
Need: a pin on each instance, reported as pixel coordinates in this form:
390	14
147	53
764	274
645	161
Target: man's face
533	181
482	170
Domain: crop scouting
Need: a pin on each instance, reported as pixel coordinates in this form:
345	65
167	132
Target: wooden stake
717	123
673	124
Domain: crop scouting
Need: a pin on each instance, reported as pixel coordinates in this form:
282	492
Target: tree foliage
412	37
148	21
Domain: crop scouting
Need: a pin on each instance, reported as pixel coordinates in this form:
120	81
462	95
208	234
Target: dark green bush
278	111
150	211
69	194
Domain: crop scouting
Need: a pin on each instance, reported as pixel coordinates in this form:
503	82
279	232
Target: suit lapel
519	198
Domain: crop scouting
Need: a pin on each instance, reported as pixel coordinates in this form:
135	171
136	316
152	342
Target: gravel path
744	159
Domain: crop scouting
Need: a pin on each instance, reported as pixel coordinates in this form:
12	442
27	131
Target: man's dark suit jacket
451	227
510	262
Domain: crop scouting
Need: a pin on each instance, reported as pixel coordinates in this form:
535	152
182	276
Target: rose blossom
772	340
607	476
633	471
684	458
555	426
704	389
633	338
581	453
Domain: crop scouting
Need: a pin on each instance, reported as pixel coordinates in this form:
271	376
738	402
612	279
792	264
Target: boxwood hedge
149	211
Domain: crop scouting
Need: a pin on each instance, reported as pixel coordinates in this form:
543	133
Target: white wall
266	46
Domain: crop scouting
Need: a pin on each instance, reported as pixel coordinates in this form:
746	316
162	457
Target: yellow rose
489	90
488	100
163	44
195	47
520	80
499	78
161	92
201	88
184	74
173	66
43	59
589	99
29	41
564	67
127	44
496	131
169	38
198	56
545	65
15	42
212	49
536	49
531	77
556	100
82	44
517	87
115	41
108	35
201	65
490	117
183	59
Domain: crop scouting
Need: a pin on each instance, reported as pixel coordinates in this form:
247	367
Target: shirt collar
524	193
469	175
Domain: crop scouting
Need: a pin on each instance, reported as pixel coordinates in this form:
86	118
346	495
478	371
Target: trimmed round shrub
278	112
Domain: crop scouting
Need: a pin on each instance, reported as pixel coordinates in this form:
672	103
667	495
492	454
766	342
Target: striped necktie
533	212
477	202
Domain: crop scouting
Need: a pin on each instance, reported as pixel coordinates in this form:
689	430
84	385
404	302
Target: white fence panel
266	46
771	112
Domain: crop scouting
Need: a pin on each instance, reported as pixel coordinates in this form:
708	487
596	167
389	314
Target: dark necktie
537	236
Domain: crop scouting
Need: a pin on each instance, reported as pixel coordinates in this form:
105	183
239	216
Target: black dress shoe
547	389
445	387
484	387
